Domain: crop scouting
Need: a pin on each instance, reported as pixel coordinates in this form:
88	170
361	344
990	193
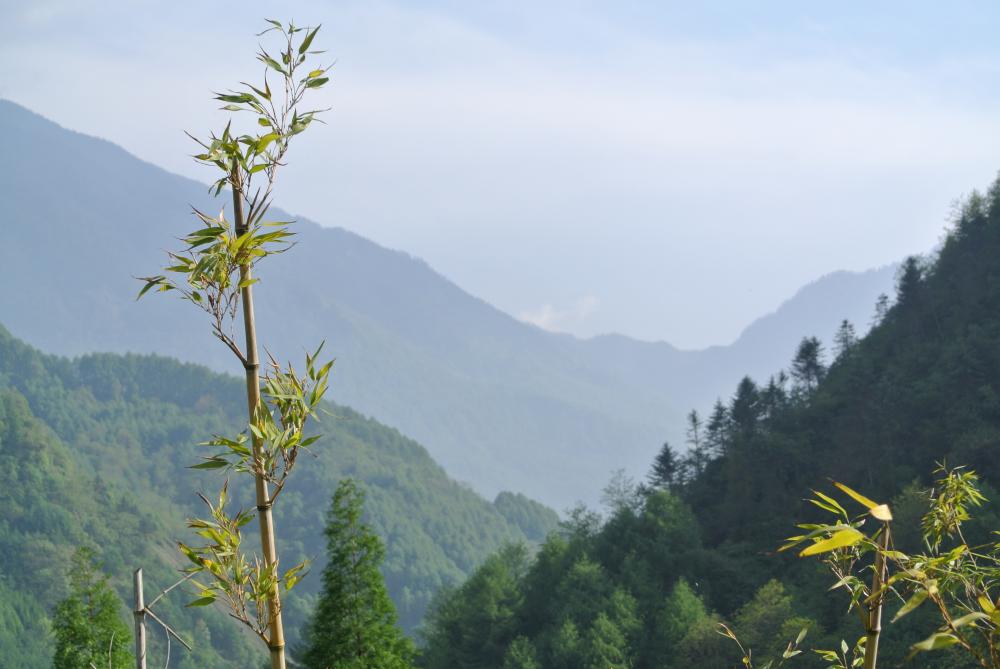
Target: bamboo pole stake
140	621
276	639
875	608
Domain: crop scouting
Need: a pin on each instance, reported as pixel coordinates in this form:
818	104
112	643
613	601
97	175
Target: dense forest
95	453
645	584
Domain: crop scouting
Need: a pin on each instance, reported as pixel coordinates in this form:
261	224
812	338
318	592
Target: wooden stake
276	640
140	621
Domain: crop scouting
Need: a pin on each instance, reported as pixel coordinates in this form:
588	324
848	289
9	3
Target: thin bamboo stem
874	626
276	640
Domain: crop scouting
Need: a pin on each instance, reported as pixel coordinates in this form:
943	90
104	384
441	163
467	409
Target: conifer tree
87	625
845	339
717	430
908	280
881	309
521	655
354	625
698	455
608	647
666	468
807	366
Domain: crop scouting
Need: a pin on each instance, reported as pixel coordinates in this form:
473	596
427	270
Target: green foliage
533	518
922	386
87	625
611	593
354	624
279	434
520	655
94	452
217	275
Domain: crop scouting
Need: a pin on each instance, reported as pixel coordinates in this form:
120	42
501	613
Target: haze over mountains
499	403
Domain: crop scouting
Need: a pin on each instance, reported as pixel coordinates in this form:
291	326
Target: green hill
95	450
644	586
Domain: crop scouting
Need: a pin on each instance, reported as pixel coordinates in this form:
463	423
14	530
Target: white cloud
567	319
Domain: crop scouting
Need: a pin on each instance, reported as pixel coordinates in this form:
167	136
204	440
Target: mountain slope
645	586
501	404
129	425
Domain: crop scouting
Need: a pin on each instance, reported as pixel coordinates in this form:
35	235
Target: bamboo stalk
875	608
276	640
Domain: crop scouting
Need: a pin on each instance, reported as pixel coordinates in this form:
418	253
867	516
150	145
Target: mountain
499	403
646	585
94	451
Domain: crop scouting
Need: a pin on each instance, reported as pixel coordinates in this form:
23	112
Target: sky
666	170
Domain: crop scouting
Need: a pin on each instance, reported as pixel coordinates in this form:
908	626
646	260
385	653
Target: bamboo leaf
912	603
935	641
211	463
856	496
202	601
309	38
840	539
881	512
969	619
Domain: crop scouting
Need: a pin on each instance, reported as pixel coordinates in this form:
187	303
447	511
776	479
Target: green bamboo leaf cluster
960	581
207	273
243	582
279	424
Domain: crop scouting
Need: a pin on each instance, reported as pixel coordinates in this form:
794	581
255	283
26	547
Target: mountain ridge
499	403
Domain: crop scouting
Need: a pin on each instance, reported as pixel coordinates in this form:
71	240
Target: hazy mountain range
499	403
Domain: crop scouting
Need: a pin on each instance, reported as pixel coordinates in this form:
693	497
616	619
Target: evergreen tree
354	625
881	309
666	468
607	646
745	410
807	366
717	430
908	280
521	655
682	610
845	339
774	397
698	454
87	625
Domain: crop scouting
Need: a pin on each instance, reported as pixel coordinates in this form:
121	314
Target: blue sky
669	170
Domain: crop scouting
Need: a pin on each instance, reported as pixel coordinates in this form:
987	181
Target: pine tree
354	625
845	339
717	430
745	411
908	280
521	655
881	309
666	468
698	455
607	645
87	625
807	366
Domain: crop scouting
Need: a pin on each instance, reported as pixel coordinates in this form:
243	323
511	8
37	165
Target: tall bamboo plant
215	272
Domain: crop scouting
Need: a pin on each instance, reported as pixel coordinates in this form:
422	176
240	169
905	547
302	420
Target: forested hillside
644	586
95	452
499	403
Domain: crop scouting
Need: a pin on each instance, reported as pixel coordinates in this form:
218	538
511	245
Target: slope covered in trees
499	403
95	453
644	586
